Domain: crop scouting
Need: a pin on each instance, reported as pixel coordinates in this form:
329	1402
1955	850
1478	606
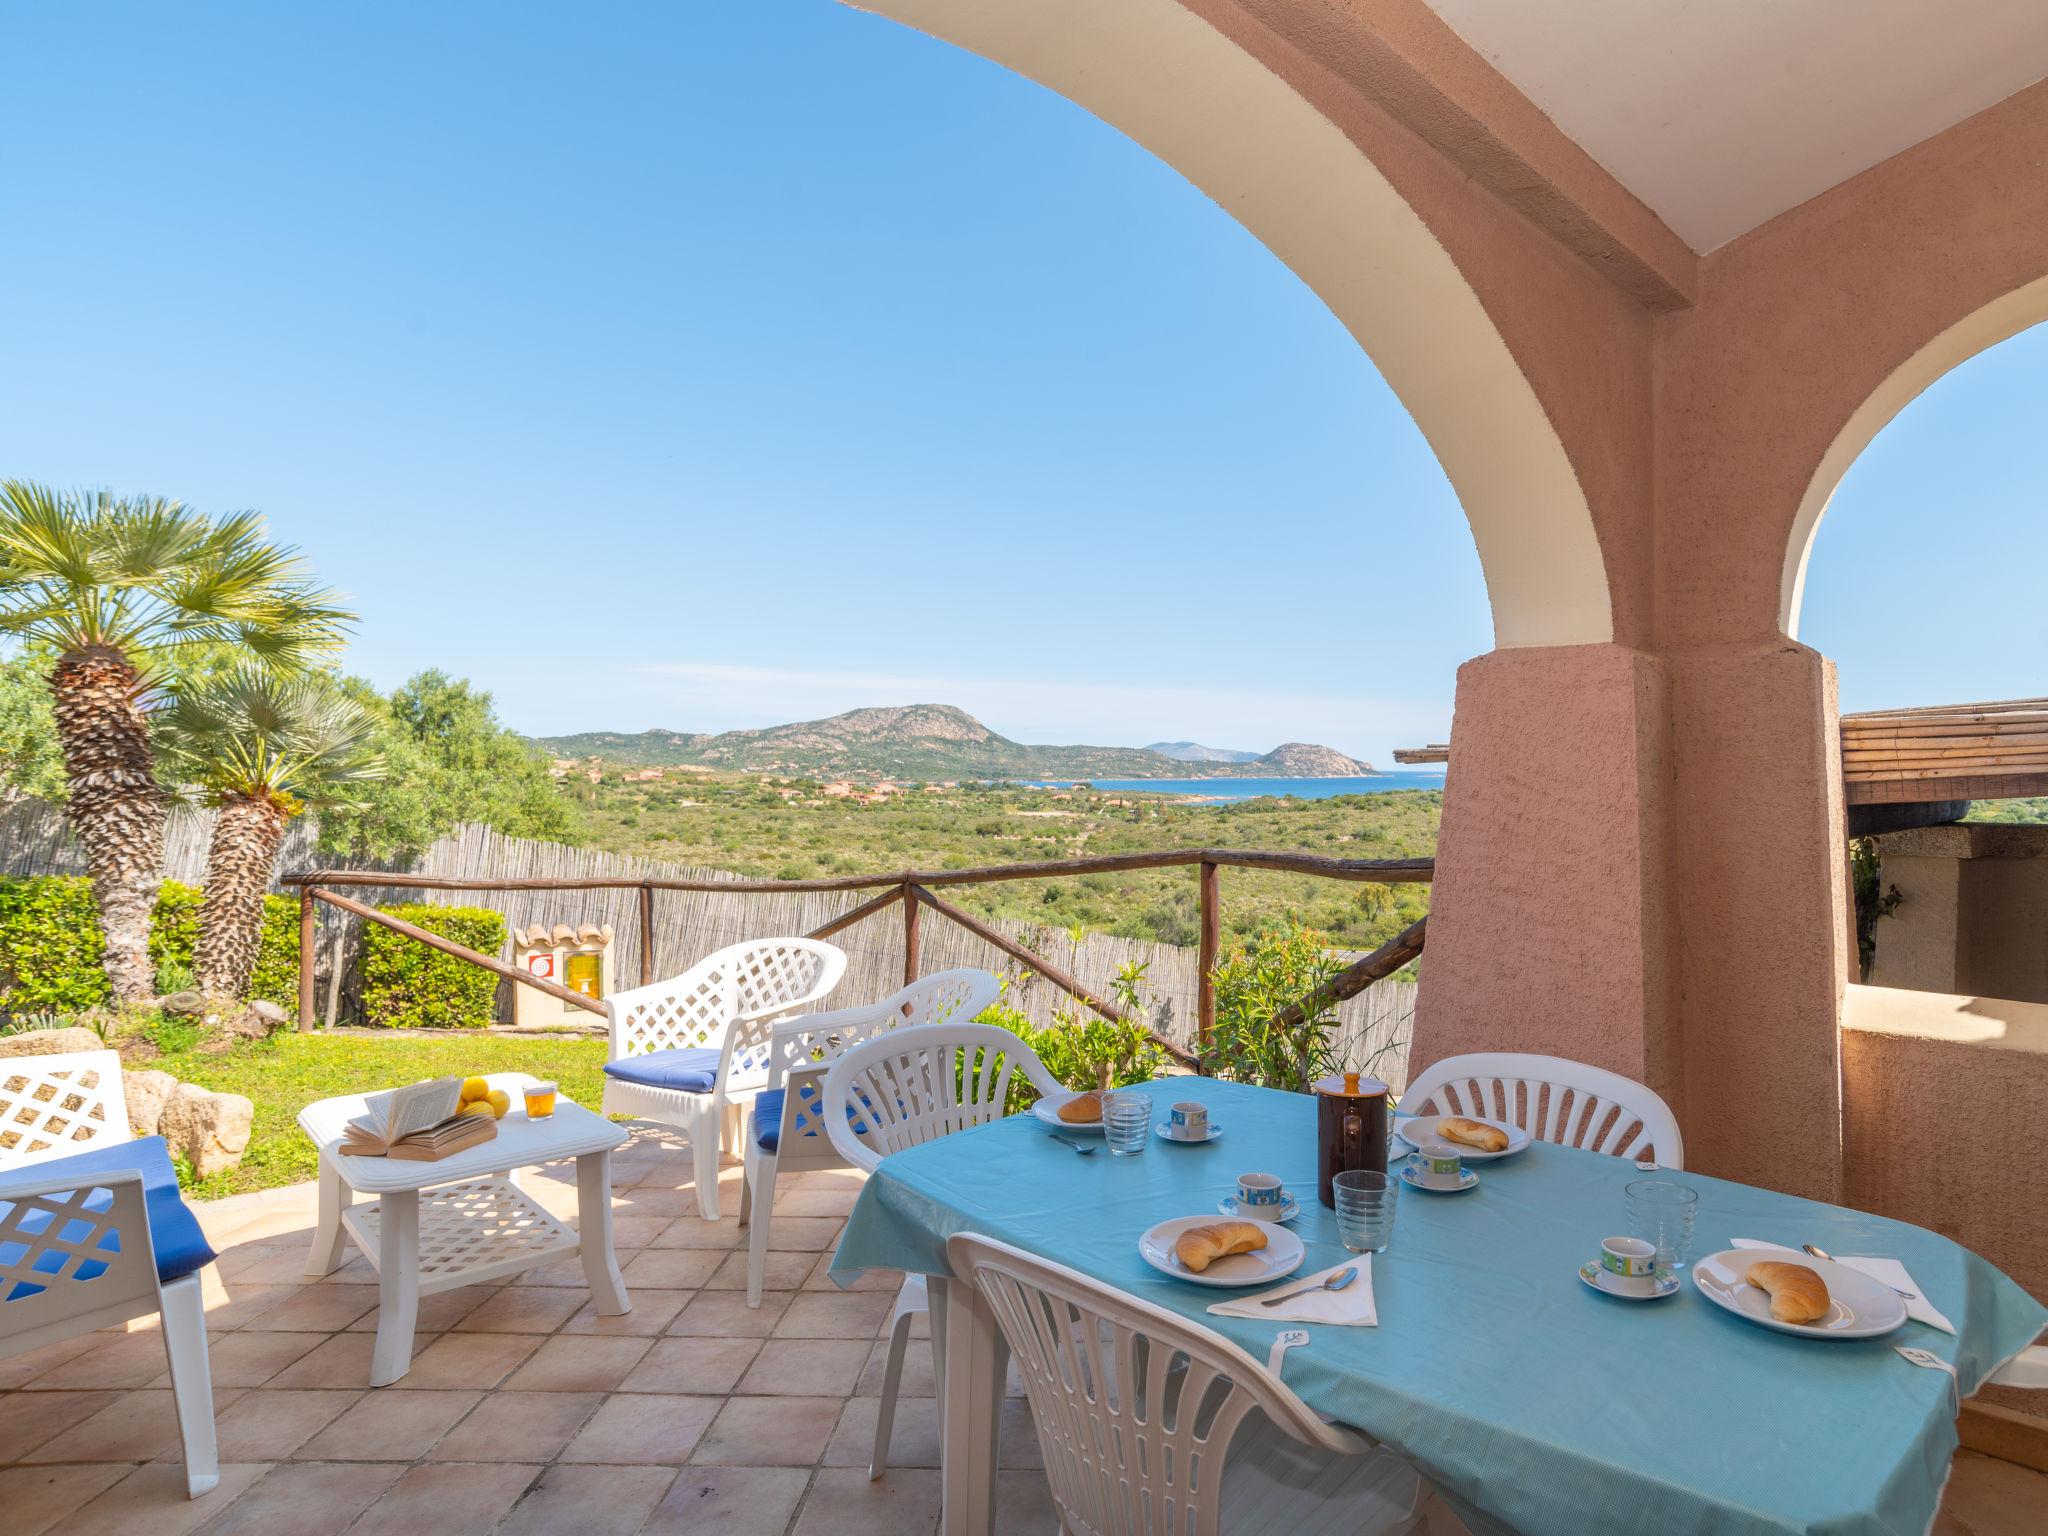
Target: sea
1252	789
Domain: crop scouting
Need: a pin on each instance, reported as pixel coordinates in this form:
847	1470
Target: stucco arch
1974	333
1219	117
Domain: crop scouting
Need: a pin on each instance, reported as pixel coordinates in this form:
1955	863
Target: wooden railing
914	891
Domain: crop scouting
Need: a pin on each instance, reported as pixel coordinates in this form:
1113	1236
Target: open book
416	1124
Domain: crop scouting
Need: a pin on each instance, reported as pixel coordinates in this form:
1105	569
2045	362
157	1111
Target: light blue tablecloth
1512	1385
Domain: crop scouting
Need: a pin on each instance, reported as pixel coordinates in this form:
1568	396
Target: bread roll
1798	1295
1082	1108
1471	1133
1199	1247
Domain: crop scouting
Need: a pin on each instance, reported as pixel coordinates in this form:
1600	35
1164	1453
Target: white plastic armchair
784	1134
78	1250
685	1051
1553	1100
1150	1422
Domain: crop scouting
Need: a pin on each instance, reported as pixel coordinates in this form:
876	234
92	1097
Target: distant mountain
1195	752
925	741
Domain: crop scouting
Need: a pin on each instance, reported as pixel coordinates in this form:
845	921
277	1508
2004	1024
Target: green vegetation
409	986
1282	966
2023	812
289	1071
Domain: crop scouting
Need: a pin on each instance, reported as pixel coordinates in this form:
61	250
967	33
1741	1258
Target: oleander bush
409	986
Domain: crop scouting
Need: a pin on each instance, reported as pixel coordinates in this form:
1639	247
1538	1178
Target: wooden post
1205	979
646	935
490	963
306	918
910	936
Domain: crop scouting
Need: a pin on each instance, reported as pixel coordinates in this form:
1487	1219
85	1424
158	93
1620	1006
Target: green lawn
290	1071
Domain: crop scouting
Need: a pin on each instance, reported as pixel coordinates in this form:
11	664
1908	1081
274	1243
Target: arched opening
1171	82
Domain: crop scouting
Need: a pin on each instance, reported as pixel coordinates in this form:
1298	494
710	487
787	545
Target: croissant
1199	1247
1798	1295
1082	1108
1471	1133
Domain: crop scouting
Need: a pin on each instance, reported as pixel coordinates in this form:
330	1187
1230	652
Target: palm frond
253	731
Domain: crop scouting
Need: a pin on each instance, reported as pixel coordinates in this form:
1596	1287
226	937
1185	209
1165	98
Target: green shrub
409	986
1284	965
276	976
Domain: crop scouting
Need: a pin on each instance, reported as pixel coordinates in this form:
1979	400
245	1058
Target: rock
49	1042
184	1002
147	1093
210	1129
269	1013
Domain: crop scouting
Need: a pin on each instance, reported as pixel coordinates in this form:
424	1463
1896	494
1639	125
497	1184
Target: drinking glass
1126	1123
1365	1209
1662	1212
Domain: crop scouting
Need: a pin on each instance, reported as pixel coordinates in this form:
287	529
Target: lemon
478	1107
499	1101
475	1088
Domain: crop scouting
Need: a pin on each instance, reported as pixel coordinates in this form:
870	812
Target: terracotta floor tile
889	1280
806	1368
913	1437
513	1310
446	1499
389	1426
833	1315
653	1202
695	1232
653	1310
36	1498
268	1426
307	1499
580	1363
637	1232
589	1501
917	1370
815	1202
644	1428
695	1366
1018	1447
769	1431
842	1179
779	1271
237	1304
438	1312
1024	1503
251	1356
729	1501
1987	1497
842	1502
726	1315
321	1309
27	1419
117	1362
518	1426
677	1269
802	1234
473	1362
342	1360
151	1502
135	1426
274	1266
567	1274
16	1370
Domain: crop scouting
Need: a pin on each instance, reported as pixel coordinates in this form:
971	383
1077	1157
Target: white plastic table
436	1226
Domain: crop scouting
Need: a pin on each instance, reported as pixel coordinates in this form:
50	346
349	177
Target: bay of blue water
1252	789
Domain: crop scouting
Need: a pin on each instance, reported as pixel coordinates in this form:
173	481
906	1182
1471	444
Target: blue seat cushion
180	1247
768	1116
686	1070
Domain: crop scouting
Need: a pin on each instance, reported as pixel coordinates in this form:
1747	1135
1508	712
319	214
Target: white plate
1288	1210
1467	1179
1047	1109
1164	1134
1860	1308
1417	1129
1598	1278
1280	1258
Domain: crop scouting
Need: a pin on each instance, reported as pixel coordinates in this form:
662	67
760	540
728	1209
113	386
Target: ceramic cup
1631	1263
1188	1121
1260	1196
1437	1166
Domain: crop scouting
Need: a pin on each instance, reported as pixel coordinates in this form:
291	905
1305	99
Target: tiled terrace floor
525	1413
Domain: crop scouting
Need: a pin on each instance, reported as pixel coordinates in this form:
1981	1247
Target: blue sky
716	366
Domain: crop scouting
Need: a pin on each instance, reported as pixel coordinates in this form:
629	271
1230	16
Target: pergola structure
1649	277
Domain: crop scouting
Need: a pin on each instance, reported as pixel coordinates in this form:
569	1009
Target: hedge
409	986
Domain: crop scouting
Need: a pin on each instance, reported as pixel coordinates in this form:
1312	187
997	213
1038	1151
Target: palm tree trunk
247	832
116	809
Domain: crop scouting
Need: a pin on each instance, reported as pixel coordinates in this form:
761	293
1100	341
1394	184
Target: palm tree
260	748
117	589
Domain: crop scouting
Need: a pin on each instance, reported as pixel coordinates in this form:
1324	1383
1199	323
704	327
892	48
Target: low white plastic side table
435	1226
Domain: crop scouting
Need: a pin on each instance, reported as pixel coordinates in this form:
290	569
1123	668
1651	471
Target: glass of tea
540	1100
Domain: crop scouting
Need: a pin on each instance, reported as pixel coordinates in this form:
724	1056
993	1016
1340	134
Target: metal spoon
1822	1253
1336	1282
1085	1148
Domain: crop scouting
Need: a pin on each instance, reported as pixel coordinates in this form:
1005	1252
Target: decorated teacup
1630	1263
1437	1165
1260	1196
1188	1121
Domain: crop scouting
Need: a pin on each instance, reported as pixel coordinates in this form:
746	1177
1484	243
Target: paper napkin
1352	1306
1884	1271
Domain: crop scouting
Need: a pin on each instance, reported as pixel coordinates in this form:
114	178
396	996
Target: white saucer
1607	1285
1287	1209
1047	1111
1467	1179
1280	1258
1164	1134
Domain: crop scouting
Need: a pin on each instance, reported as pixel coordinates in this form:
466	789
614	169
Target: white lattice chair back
53	1106
803	1048
1553	1099
1136	1407
921	1082
726	1000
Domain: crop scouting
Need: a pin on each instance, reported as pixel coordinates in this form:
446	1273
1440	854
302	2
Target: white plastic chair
688	1051
904	1088
1553	1100
1150	1422
78	1250
783	1135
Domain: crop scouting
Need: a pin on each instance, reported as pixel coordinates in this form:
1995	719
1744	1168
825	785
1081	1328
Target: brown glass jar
1351	1128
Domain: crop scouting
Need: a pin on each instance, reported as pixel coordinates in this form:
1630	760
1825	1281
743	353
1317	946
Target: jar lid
1350	1085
